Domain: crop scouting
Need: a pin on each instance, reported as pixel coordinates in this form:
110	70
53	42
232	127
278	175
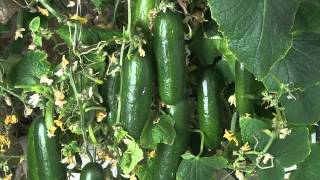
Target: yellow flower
4	143
246	147
64	62
232	100
82	20
10	119
100	116
58	122
51	131
58	98
230	137
142	53
7	177
152	154
18	33
43	11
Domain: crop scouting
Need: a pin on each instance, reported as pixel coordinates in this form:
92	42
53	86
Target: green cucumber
44	154
92	171
169	50
141	13
244	89
168	157
136	97
109	92
209	106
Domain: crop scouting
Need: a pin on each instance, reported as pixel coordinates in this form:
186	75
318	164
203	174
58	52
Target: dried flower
51	131
43	11
4	143
284	132
245	147
58	98
100	116
232	100
34	100
10	119
18	33
239	175
46	80
230	137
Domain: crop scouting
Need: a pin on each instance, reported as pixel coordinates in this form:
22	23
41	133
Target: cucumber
92	171
44	154
169	50
168	157
136	97
141	13
209	106
244	89
109	92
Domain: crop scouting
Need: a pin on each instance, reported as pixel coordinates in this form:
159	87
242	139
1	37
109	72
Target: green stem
51	10
49	113
234	122
12	93
20	19
201	142
121	83
115	12
81	110
91	135
129	19
95	108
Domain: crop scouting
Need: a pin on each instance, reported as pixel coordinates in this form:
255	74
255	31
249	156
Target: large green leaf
160	132
252	131
131	157
274	173
292	149
309	169
192	167
299	69
29	70
307	18
257	31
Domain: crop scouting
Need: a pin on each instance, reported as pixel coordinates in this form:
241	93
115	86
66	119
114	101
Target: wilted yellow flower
7	177
141	51
51	131
44	79
58	122
18	33
64	62
27	111
100	116
4	143
82	20
230	137
43	11
10	119
246	147
58	98
232	100
152	154
284	132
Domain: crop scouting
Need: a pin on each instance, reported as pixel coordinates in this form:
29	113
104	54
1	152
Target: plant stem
49	112
12	93
201	142
52	10
116	5
234	122
81	110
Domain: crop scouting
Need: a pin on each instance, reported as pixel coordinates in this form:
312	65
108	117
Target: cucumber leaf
252	131
131	157
309	169
258	32
300	71
292	149
161	131
192	167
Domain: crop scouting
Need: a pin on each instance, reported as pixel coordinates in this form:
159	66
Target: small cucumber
92	171
44	154
168	157
136	97
209	106
169	49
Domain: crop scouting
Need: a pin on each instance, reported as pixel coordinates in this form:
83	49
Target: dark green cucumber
92	171
168	157
244	89
136	97
169	49
209	106
44	154
109	92
204	46
141	13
